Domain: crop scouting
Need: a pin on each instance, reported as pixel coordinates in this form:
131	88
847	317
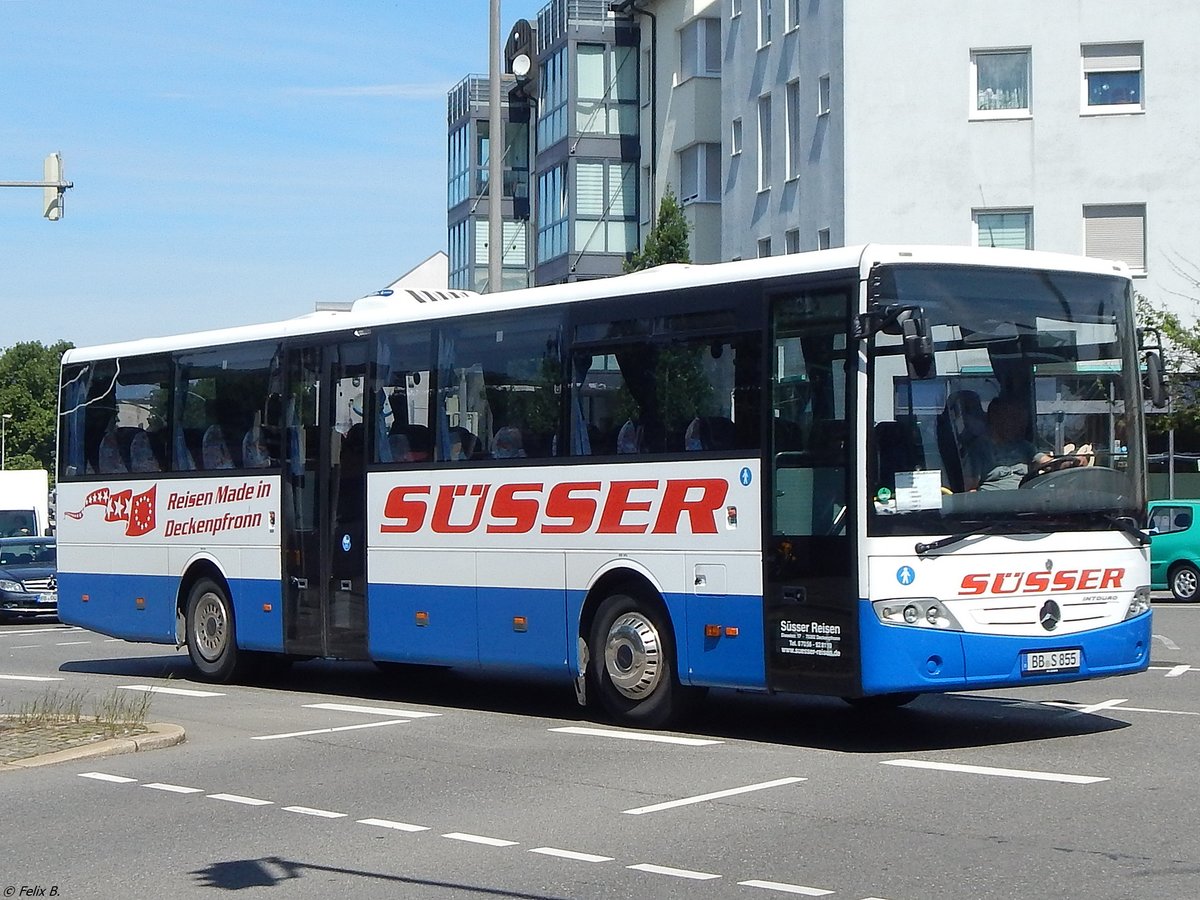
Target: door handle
300	583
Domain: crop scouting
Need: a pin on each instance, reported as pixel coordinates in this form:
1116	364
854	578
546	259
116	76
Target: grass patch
117	712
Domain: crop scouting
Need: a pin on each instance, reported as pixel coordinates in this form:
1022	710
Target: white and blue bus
762	475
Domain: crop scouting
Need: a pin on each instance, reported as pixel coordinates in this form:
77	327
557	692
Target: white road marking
991	770
178	692
292	734
633	736
25	647
1167	642
237	798
173	788
677	873
1176	671
786	888
319	813
28	678
571	854
715	795
1078	707
39	631
397	826
70	643
372	710
100	776
479	839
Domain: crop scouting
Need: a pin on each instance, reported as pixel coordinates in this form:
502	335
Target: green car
1175	547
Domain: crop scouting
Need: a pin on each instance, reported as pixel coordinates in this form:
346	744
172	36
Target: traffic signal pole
53	186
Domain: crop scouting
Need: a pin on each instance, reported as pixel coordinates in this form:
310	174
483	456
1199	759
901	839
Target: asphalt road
340	781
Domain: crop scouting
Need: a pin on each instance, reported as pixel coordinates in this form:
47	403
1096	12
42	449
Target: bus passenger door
324	500
811	599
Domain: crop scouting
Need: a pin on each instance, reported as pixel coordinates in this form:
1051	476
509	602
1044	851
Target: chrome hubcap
1185	583
211	628
633	656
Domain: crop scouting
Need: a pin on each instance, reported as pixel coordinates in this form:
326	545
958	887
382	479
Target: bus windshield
1020	424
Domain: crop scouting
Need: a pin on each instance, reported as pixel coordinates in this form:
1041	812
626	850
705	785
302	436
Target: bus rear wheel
211	640
633	664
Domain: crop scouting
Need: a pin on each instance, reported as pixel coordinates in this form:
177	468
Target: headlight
923	612
13	587
1140	602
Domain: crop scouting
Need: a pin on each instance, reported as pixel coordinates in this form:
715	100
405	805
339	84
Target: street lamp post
4	439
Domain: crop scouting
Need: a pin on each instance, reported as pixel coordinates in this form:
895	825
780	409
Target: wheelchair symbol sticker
906	575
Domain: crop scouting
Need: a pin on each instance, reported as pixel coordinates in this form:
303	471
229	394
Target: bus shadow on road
931	722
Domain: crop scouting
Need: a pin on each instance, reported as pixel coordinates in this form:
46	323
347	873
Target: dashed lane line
102	776
395	826
675	873
479	839
636	736
571	854
176	692
238	798
309	811
786	888
292	734
173	788
991	770
373	710
715	795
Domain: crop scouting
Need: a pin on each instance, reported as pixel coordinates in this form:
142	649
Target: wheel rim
1185	583
633	656
211	627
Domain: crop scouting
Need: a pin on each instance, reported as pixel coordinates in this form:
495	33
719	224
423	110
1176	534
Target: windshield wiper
922	548
1129	526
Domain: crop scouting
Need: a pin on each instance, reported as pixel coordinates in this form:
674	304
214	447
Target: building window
1011	228
605	207
764	142
700	48
792	112
460	259
700	174
552	100
606	94
792	20
823	239
764	247
823	95
735	137
551	214
458	168
764	22
791	241
1112	78
1000	80
735	9
1116	232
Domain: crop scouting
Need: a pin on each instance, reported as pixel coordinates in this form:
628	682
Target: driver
1009	452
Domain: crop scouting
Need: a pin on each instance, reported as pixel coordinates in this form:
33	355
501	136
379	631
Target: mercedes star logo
1050	615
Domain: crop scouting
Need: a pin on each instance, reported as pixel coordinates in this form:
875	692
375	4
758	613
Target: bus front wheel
633	668
210	632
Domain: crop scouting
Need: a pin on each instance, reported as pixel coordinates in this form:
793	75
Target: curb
160	735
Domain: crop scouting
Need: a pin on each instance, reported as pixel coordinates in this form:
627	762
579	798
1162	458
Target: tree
667	241
29	393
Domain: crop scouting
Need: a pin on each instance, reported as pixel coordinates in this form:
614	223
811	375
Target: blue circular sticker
744	476
345	543
906	575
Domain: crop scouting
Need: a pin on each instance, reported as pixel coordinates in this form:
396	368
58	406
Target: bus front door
324	500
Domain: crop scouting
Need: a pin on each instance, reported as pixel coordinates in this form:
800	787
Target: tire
633	664
879	702
1185	582
211	636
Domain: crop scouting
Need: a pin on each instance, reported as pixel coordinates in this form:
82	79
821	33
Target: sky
233	161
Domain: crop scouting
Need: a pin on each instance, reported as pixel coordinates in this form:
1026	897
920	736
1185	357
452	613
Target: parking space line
292	734
634	736
786	888
372	710
178	692
715	795
991	770
309	811
676	873
395	826
479	839
571	854
1176	671
173	788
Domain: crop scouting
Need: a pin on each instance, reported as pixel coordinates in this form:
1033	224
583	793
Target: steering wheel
1055	464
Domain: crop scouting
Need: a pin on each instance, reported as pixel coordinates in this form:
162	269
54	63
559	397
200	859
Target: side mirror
1156	386
918	343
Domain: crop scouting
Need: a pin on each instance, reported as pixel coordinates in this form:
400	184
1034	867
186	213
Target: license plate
1042	661
48	598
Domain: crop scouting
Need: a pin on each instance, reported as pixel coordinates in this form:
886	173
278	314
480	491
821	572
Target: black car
28	578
